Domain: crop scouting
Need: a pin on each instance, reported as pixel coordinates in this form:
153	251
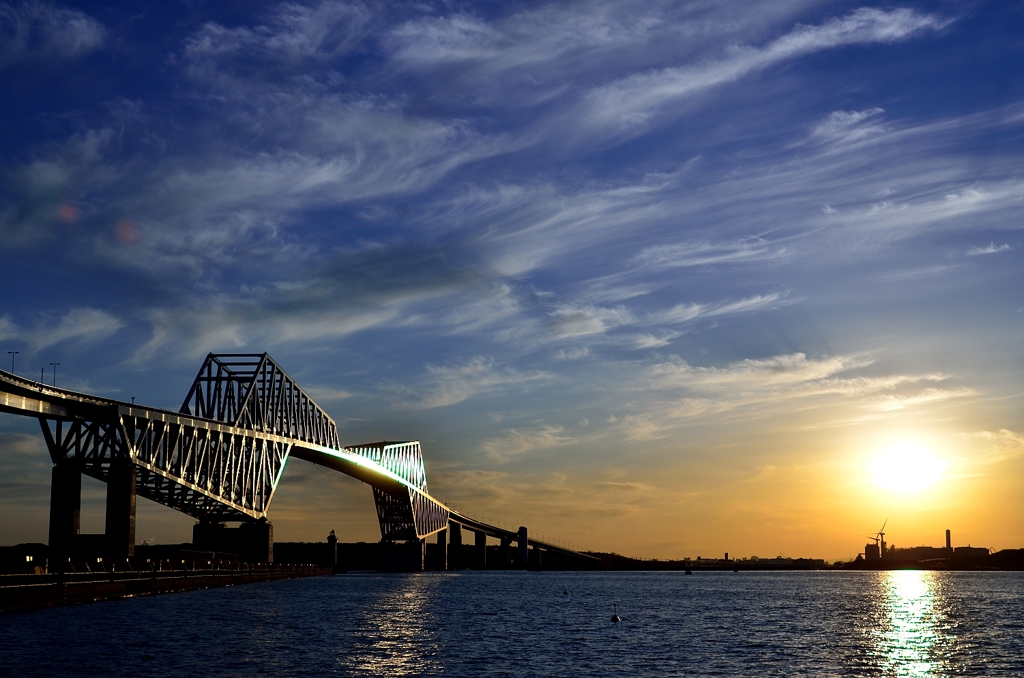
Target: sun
906	468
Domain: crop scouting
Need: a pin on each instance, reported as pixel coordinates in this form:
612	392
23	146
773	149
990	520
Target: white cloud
675	392
8	330
79	324
766	373
998	446
325	394
578	320
514	442
643	341
684	255
991	248
848	126
686	312
890	403
294	31
223	323
450	384
572	353
630	102
496	305
36	30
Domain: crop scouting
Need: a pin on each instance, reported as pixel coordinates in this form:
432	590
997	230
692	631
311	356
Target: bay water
901	623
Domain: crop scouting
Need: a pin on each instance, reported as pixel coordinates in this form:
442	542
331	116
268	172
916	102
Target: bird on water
615	613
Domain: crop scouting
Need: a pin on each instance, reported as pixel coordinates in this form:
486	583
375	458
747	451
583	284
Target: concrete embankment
34	591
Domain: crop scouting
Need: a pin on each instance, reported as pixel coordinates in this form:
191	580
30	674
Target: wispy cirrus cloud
687	254
991	248
678	393
998	446
81	325
848	126
630	103
514	442
36	31
366	287
292	32
445	385
780	370
682	313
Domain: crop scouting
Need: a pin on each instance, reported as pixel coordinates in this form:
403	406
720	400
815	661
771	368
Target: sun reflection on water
908	641
397	634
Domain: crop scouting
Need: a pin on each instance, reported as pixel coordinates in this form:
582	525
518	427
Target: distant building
920	553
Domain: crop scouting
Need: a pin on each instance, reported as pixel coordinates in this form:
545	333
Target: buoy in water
615	613
565	590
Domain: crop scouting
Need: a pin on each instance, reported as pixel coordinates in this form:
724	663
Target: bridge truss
220	457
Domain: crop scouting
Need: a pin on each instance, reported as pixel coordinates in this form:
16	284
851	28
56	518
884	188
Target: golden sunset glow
906	467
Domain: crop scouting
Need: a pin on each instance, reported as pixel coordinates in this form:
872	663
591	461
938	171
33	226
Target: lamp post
42	370
12	354
55	374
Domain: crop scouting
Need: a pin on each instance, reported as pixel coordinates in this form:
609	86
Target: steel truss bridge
220	457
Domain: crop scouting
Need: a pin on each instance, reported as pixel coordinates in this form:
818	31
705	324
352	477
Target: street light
12	354
55	374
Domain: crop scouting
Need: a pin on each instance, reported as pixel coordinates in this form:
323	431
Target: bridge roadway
225	466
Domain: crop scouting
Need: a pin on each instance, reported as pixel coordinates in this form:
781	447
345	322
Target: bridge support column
480	551
386	556
120	524
505	553
524	543
256	541
415	554
535	558
455	547
442	550
65	509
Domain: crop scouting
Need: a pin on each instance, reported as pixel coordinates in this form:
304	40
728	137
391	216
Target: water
905	623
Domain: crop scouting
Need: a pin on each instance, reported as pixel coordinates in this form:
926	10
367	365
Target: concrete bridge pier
415	555
65	509
442	550
535	558
120	522
524	542
455	547
252	541
386	556
480	551
505	553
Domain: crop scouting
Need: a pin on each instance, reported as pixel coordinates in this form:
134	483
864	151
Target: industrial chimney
949	542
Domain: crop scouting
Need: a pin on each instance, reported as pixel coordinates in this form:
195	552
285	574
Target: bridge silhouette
220	458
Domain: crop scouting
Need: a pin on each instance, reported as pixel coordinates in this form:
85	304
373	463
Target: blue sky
649	278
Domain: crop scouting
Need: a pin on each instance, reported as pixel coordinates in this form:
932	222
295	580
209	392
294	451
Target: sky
666	279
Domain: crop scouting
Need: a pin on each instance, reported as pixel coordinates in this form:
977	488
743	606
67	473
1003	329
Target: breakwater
22	592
